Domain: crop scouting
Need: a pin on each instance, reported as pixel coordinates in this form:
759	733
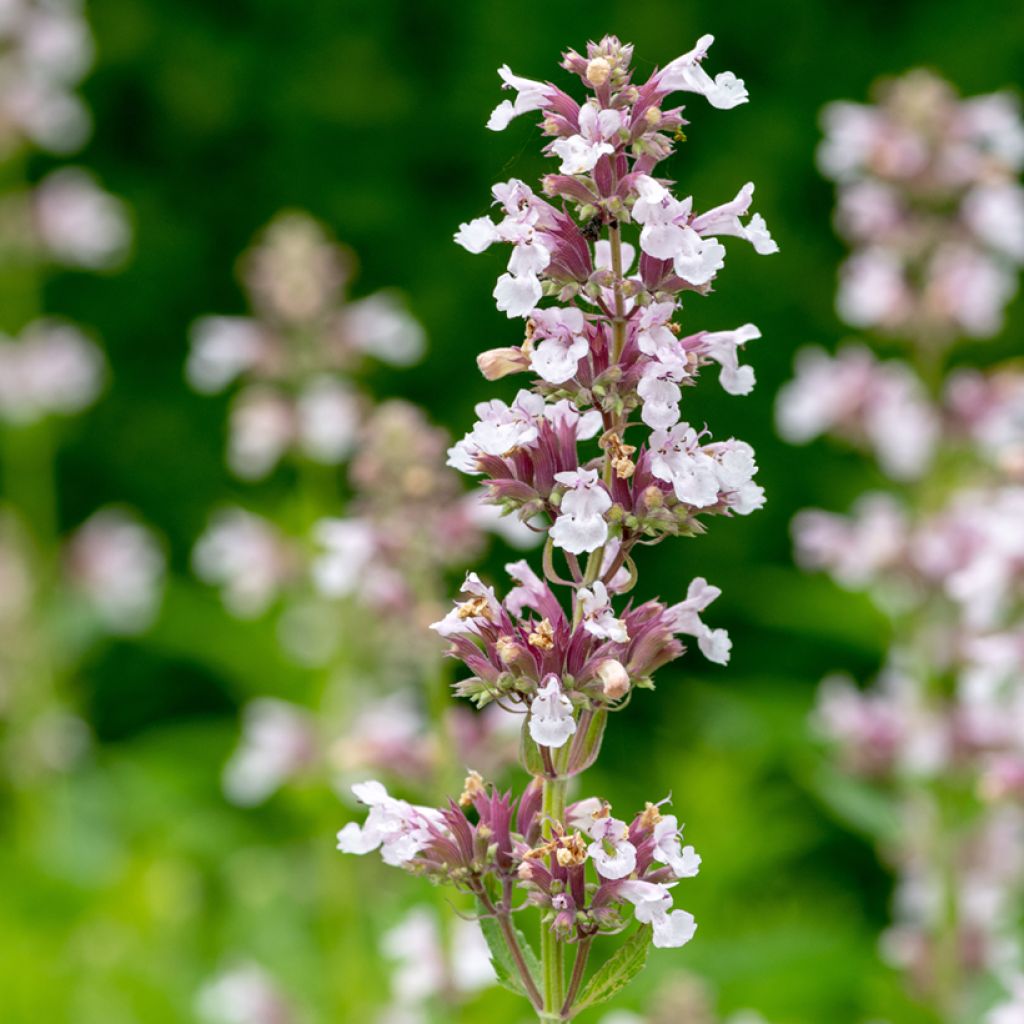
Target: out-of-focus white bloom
854	549
862	400
262	426
551	718
223	348
52	369
278	741
512	530
424	969
47	50
245	994
346	551
327	418
246	557
118	565
79	223
382	327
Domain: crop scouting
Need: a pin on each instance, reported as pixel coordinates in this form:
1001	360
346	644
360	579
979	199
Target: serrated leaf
616	972
505	968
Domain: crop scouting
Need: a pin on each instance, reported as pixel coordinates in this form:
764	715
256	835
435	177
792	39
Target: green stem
579	968
552	949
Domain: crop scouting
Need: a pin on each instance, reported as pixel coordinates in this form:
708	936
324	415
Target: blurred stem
552	949
28	481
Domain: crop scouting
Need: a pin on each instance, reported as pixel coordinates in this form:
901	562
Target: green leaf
504	964
616	972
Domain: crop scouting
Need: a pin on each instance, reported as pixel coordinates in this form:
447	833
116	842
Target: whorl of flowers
930	202
593	453
926	181
291	356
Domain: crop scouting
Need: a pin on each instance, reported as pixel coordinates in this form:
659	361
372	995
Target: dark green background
213	115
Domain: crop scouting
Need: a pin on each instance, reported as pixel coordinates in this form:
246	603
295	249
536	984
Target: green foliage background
137	880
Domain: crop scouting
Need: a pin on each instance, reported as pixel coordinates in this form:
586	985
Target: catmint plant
596	456
929	196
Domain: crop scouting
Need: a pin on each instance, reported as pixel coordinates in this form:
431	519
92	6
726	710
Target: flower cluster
927	196
291	356
584	875
595	455
105	577
45	51
929	200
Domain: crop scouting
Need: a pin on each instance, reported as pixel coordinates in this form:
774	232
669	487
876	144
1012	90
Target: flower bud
614	678
653	497
652	115
598	71
496	363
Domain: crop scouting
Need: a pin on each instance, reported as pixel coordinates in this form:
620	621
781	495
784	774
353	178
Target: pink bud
496	363
614	678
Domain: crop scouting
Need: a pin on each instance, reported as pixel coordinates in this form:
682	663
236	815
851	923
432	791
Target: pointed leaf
616	972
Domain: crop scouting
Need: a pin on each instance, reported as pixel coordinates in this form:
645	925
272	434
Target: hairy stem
503	916
552	949
579	968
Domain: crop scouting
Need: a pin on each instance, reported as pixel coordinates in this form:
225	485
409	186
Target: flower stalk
595	454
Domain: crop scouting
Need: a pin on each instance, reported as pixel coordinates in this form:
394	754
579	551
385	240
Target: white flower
697	259
551	718
714	644
598	617
653	905
683	860
399	829
476	235
660	391
481	605
346	549
517	296
612	852
579	156
499	429
561	343
721	346
531	95
677	458
580	525
684	74
725	220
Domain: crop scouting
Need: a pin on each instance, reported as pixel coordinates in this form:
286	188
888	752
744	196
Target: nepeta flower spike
593	453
